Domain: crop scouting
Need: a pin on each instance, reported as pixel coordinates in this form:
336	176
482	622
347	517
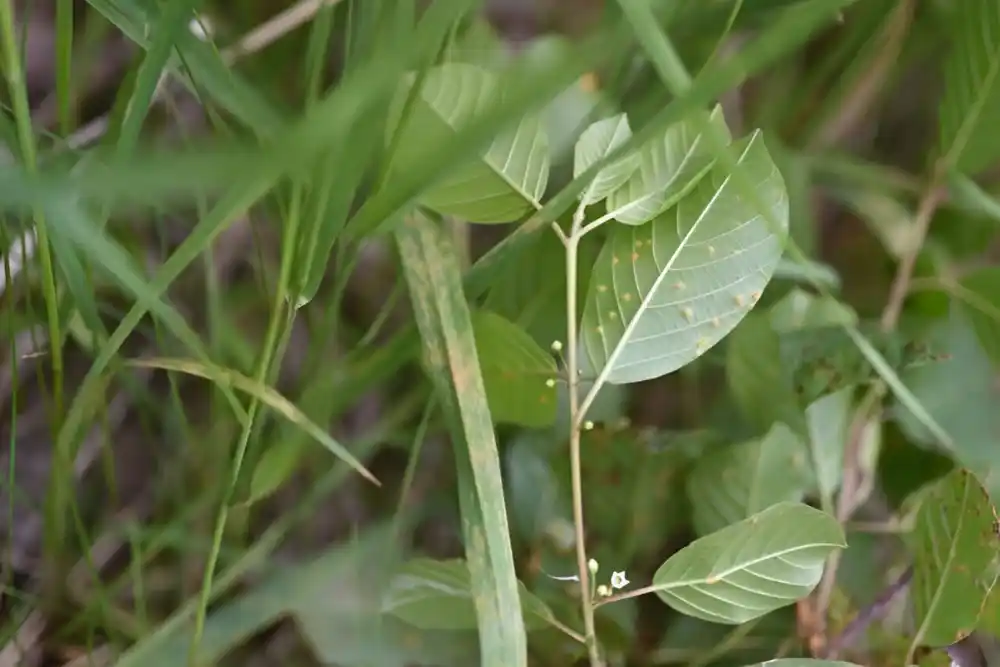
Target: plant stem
573	383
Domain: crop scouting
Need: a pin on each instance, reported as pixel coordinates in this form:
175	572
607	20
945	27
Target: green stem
22	117
576	419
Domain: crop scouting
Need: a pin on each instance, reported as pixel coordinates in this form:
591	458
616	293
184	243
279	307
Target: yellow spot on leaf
614	260
740	300
755	296
602	288
589	83
679	285
635	256
716	323
688	314
711	251
627	296
712	580
612	315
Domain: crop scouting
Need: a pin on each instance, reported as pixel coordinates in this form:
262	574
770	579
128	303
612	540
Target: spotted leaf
662	294
954	547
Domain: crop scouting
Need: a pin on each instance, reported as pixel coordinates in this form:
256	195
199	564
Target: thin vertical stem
573	383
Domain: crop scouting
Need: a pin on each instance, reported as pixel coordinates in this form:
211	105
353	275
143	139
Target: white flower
618	580
603	591
593	566
556	346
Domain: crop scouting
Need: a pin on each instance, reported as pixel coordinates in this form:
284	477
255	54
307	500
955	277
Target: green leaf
799	310
505	181
750	568
437	595
596	143
432	273
829	422
515	372
758	379
954	547
664	293
971	100
669	166
980	299
959	393
734	483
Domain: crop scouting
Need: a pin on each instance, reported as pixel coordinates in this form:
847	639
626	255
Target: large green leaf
971	101
829	421
729	485
432	273
662	294
596	143
669	166
750	568
954	547
516	372
437	595
505	181
959	392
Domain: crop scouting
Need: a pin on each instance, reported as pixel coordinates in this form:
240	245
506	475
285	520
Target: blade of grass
432	273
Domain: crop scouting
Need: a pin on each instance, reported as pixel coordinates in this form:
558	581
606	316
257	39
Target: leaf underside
662	294
750	568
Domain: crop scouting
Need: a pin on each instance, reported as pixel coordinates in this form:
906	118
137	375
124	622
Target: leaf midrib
626	336
983	92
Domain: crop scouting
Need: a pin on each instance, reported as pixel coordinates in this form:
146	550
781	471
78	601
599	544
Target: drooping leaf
758	377
669	166
437	595
508	178
515	372
954	547
959	392
829	422
739	481
750	568
662	294
434	280
534	495
971	100
596	143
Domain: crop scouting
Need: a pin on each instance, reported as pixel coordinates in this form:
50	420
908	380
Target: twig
874	611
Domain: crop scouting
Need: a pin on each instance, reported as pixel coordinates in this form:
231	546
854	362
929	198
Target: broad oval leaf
971	102
733	483
662	294
436	595
954	547
515	372
667	168
509	177
598	141
750	568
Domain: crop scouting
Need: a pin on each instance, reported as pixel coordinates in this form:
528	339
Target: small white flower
593	566
556	346
603	591
550	383
588	425
618	580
